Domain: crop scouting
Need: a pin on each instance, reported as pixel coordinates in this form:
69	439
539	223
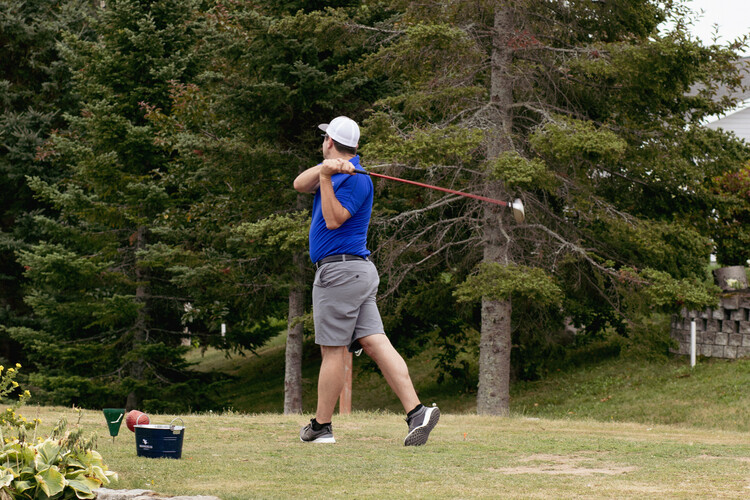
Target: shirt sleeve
353	192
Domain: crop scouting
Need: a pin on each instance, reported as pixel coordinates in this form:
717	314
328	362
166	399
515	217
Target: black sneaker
324	435
421	424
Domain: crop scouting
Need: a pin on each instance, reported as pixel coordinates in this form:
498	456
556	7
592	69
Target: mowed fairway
236	456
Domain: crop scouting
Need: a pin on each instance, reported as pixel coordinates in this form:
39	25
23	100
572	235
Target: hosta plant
62	466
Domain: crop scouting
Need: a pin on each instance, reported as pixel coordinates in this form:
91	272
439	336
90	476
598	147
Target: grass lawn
622	428
242	456
713	395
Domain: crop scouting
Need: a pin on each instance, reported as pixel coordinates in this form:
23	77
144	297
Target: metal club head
518	212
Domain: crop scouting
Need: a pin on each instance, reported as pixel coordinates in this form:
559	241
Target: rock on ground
107	494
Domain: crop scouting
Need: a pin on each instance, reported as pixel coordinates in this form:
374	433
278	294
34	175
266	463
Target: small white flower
733	283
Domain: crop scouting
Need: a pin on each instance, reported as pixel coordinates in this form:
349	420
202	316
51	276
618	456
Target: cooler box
159	441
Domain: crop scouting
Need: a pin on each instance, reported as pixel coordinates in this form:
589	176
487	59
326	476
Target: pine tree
111	321
582	110
237	242
36	91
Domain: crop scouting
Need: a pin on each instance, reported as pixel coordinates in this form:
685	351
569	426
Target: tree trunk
293	361
493	395
140	328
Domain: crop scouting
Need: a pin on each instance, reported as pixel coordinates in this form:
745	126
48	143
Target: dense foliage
103	308
582	110
160	139
732	226
64	465
35	93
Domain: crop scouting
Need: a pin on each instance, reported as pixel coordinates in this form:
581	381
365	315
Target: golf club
516	205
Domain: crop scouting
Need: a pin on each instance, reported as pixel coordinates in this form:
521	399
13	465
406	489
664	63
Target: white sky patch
731	16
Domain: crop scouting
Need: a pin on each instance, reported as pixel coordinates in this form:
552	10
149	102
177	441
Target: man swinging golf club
346	282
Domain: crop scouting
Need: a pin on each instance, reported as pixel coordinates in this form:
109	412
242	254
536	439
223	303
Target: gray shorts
344	308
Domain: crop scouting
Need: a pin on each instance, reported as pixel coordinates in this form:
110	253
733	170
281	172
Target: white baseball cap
342	130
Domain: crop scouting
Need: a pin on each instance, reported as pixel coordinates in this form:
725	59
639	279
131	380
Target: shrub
62	466
730	229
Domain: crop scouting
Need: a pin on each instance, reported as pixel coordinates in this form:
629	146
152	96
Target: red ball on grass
134	418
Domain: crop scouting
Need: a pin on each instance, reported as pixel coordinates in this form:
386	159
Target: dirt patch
574	465
714	457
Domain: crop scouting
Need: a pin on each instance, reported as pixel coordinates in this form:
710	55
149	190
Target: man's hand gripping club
335	166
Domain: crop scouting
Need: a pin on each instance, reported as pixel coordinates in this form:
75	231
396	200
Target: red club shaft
437	188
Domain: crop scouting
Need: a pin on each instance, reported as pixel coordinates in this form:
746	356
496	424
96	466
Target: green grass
713	395
622	428
243	456
258	384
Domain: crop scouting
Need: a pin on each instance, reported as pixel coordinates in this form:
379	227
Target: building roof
738	119
737	122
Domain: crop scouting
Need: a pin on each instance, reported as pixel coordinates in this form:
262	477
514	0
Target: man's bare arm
309	180
334	212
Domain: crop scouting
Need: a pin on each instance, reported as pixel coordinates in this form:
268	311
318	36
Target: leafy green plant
517	171
62	466
9	417
500	282
663	292
730	230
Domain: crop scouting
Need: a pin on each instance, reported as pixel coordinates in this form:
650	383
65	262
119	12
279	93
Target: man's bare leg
421	419
393	367
330	381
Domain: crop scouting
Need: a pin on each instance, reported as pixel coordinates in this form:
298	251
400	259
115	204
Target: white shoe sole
322	440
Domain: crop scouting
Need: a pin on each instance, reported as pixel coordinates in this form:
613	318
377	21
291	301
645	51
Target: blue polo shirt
355	193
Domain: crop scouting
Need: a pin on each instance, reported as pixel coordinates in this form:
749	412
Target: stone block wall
721	332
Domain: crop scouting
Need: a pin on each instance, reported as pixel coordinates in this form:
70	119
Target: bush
62	466
730	229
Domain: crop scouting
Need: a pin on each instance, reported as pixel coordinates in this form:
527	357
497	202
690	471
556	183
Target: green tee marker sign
114	420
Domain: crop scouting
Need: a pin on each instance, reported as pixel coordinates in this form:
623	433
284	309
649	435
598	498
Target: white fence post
692	343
